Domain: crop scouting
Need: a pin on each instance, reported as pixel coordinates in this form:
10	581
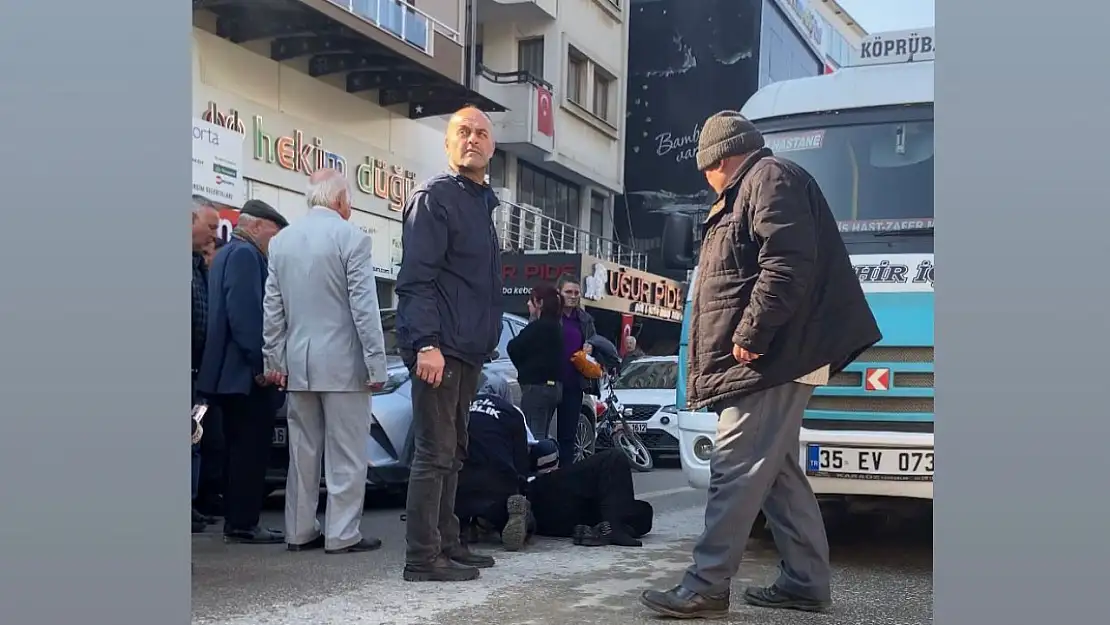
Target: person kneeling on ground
489	495
592	501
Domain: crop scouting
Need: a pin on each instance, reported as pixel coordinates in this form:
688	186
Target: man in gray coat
324	344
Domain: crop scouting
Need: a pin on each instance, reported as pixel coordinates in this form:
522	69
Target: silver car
389	441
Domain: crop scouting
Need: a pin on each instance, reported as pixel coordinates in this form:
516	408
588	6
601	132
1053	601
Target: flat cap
262	210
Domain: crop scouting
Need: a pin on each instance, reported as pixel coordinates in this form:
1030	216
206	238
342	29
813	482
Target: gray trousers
336	426
756	465
439	419
539	402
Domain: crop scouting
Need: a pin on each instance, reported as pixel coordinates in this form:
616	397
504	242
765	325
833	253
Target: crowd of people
289	312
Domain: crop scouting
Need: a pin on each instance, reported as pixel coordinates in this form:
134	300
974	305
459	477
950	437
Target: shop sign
621	289
521	272
218	163
808	22
303	153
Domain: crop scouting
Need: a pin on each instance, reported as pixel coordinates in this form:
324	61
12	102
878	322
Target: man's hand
375	386
429	366
276	378
742	355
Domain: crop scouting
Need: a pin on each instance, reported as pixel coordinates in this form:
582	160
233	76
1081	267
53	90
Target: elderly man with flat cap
232	374
777	309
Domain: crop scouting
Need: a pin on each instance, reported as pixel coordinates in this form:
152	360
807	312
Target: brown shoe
679	602
442	569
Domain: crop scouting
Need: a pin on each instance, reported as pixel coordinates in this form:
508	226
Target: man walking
795	314
206	221
324	345
448	324
231	371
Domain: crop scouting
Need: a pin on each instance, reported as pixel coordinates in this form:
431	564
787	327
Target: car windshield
876	177
653	374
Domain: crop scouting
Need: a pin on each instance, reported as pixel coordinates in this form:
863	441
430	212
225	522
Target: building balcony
523	228
405	55
516	11
527	128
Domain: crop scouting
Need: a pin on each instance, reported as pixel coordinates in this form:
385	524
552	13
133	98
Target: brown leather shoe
466	557
679	602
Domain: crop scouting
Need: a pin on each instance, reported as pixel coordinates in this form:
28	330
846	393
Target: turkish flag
626	331
545	116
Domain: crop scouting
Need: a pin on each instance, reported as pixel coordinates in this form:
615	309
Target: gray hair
245	221
200	203
327	191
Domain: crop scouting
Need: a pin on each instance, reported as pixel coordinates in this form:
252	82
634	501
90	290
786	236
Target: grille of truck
871	402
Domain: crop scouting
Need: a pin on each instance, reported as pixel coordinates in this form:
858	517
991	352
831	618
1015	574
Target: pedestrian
448	324
632	352
537	355
232	374
578	328
206	222
776	311
324	345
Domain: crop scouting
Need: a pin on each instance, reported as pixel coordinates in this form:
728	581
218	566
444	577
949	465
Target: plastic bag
586	365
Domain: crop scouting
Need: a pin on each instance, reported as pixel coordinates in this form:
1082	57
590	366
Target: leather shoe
679	602
315	543
362	546
466	557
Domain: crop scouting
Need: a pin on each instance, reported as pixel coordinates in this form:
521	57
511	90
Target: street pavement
883	576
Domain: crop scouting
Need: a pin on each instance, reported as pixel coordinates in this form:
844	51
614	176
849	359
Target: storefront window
497	170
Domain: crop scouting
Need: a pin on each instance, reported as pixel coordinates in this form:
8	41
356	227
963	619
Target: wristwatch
426	348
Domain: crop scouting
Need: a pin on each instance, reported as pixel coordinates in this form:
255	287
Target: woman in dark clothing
578	328
537	354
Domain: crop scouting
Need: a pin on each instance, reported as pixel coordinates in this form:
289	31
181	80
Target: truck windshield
877	178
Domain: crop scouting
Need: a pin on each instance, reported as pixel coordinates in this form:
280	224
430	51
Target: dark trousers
599	488
483	493
248	427
566	428
196	469
440	417
213	454
539	402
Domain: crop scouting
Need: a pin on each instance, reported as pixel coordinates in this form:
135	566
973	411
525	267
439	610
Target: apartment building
560	68
841	34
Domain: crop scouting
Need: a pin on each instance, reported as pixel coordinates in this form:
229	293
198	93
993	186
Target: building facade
688	60
841	34
561	68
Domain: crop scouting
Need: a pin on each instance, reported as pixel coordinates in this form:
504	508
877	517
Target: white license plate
639	428
870	463
279	437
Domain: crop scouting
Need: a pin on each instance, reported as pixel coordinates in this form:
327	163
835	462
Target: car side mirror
678	241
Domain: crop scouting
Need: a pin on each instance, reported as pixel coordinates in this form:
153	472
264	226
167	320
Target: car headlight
703	448
669	409
394	381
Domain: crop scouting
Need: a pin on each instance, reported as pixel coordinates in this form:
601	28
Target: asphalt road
881	576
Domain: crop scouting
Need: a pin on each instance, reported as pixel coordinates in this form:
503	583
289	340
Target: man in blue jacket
448	323
231	371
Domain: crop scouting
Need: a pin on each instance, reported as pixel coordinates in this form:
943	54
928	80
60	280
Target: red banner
626	331
545	115
228	218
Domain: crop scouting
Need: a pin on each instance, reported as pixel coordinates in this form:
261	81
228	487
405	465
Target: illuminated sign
621	289
299	153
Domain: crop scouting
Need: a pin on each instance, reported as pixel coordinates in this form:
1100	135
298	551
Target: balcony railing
402	20
523	228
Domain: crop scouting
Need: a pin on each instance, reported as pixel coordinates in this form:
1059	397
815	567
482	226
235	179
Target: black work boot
617	535
442	569
774	597
515	531
587	536
679	602
462	555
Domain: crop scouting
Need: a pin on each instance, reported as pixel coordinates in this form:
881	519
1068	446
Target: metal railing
521	77
402	20
523	228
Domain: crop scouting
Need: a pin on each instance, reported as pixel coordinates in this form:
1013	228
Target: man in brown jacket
777	309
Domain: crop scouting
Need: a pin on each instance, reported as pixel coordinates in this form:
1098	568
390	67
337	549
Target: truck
865	133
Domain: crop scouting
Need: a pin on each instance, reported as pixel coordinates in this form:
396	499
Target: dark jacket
233	344
200	309
498	439
774	278
449	285
537	352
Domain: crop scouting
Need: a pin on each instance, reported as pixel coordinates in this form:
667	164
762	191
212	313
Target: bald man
448	323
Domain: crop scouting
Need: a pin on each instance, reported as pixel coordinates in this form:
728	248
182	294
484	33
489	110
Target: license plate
638	428
870	463
279	437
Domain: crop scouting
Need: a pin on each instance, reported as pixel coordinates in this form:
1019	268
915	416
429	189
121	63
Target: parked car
646	390
389	438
